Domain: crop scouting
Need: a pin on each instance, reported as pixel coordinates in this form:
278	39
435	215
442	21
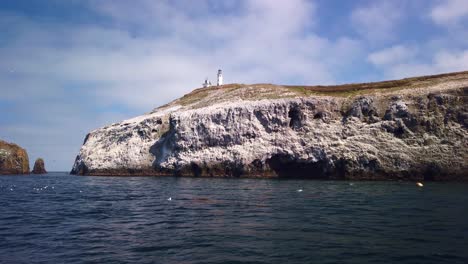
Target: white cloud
450	12
379	20
442	62
405	70
452	60
392	55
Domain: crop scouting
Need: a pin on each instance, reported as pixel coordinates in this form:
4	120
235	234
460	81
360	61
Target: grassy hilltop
232	92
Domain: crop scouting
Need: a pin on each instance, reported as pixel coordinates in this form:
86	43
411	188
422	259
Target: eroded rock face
410	136
39	167
13	159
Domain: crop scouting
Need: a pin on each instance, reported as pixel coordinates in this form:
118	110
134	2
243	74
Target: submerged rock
39	167
13	159
410	129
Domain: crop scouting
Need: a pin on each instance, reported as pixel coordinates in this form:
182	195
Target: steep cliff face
13	159
414	129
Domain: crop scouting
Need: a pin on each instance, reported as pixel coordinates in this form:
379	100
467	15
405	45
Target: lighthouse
220	77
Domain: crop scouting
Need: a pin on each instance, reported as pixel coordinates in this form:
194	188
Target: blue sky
68	67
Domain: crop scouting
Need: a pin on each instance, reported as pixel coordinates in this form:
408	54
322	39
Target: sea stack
13	159
410	129
39	167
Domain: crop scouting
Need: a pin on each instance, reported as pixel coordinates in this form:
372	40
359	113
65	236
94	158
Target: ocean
58	218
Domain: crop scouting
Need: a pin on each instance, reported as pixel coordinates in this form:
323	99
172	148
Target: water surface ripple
57	218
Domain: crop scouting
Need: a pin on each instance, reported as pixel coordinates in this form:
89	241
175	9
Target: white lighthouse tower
220	77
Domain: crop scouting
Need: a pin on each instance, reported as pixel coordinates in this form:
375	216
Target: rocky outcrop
13	159
39	167
411	129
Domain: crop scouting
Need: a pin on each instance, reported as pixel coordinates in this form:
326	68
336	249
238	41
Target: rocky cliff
13	159
410	129
39	167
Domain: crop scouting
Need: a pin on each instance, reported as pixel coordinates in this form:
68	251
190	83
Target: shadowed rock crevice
286	166
164	146
297	117
319	115
80	167
86	138
271	122
432	172
364	109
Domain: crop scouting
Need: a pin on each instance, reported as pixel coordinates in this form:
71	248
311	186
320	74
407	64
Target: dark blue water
58	218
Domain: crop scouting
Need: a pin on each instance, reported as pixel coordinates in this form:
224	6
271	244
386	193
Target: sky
68	67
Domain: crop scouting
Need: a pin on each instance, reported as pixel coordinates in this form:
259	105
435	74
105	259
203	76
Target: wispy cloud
392	55
379	20
450	12
443	50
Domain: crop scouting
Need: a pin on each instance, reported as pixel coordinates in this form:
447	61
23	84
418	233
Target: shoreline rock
39	167
416	132
13	159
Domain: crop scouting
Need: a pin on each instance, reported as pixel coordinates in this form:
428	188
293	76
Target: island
13	159
39	166
408	129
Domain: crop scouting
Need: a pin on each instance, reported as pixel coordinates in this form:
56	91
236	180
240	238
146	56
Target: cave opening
431	172
196	170
286	166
